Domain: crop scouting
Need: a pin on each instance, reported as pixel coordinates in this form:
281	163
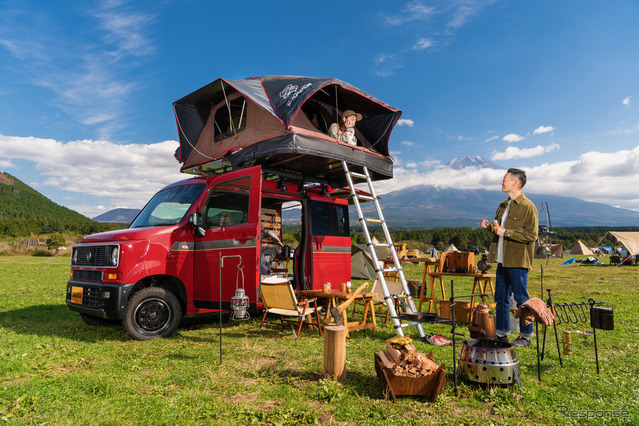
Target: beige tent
629	239
580	248
452	249
557	251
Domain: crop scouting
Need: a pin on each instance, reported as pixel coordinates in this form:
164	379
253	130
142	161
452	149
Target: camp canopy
629	239
580	248
451	249
282	122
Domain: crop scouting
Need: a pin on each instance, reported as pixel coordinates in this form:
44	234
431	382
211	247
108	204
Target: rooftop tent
629	239
281	122
556	249
580	248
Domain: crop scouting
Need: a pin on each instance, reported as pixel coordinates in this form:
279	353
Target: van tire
152	312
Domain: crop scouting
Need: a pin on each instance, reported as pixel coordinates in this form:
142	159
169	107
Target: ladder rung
373	220
390	270
382	245
365	197
358	175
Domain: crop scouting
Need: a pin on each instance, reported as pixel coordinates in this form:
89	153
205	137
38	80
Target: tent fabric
362	266
580	248
557	251
224	124
451	249
569	261
630	240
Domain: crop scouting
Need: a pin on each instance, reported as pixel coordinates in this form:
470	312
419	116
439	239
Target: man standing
515	228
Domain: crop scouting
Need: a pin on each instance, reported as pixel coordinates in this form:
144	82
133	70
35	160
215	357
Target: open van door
231	223
331	242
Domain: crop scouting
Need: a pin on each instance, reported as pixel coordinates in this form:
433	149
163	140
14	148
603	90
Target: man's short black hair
519	174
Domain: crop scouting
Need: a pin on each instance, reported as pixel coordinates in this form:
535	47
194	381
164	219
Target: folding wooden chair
279	299
394	288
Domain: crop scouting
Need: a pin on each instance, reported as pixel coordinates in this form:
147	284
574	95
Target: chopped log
335	352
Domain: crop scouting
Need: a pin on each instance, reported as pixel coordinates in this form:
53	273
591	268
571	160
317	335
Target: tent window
230	119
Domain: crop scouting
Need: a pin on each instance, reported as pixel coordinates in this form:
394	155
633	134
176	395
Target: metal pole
220	293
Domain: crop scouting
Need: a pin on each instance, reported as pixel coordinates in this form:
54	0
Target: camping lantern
239	303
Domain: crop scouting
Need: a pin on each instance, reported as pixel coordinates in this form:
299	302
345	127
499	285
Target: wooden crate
463	262
271	221
462	310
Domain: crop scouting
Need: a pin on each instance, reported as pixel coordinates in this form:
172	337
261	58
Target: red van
200	234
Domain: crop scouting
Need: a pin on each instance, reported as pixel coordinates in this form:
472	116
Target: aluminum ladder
397	266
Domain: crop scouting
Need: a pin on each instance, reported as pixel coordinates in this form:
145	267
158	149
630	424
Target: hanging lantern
239	303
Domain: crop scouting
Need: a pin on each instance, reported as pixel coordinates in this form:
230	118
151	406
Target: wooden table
332	300
431	265
480	282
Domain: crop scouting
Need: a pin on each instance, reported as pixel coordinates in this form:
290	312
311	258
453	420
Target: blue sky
86	87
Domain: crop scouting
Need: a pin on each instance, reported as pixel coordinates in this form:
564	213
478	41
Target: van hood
128	234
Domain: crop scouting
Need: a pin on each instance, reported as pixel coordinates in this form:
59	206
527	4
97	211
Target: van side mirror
195	220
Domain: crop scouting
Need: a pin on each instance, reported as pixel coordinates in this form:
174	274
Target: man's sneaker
502	339
521	341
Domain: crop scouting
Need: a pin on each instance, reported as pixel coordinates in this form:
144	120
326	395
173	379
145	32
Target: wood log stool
335	352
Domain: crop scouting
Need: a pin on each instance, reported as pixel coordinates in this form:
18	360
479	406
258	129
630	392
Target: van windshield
168	207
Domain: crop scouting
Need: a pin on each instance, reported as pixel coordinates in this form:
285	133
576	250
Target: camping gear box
463	262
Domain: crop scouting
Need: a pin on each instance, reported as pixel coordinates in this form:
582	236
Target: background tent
557	251
452	249
630	240
580	248
281	122
362	266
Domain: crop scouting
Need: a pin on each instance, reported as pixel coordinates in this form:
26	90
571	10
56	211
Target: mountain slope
118	216
24	211
427	206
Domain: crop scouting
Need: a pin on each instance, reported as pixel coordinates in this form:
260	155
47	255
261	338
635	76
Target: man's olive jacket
521	233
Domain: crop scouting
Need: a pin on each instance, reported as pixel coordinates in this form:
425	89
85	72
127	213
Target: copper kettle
482	323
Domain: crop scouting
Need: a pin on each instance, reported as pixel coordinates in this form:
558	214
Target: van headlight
115	255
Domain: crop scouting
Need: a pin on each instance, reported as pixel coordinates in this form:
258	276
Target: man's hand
485	224
499	230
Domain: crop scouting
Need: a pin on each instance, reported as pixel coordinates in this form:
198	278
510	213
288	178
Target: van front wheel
152	312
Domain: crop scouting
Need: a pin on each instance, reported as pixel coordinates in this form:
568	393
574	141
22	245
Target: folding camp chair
279	299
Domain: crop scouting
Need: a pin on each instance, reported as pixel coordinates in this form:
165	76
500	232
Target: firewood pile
406	361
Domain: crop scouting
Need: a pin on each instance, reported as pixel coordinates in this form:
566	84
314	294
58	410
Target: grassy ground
55	369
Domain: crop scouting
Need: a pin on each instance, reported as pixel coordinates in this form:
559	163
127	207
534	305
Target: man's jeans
510	281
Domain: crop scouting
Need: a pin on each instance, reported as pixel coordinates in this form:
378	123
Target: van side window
228	203
230	119
329	219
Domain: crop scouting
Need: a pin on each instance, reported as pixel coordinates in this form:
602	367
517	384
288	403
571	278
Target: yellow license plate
76	295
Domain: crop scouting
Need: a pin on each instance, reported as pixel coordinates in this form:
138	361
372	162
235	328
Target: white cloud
543	129
626	101
117	174
423	43
405	122
6	164
513	152
492	138
512	138
408	143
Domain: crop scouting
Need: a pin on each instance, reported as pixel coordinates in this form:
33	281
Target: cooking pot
482	323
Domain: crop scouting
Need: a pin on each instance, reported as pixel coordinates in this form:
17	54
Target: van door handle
243	239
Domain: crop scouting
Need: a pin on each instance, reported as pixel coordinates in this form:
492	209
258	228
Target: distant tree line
464	238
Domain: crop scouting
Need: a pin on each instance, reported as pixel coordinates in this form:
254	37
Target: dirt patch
5	179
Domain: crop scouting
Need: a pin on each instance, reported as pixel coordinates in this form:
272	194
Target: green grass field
55	369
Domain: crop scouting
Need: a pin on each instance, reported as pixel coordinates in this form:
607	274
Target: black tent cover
284	97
